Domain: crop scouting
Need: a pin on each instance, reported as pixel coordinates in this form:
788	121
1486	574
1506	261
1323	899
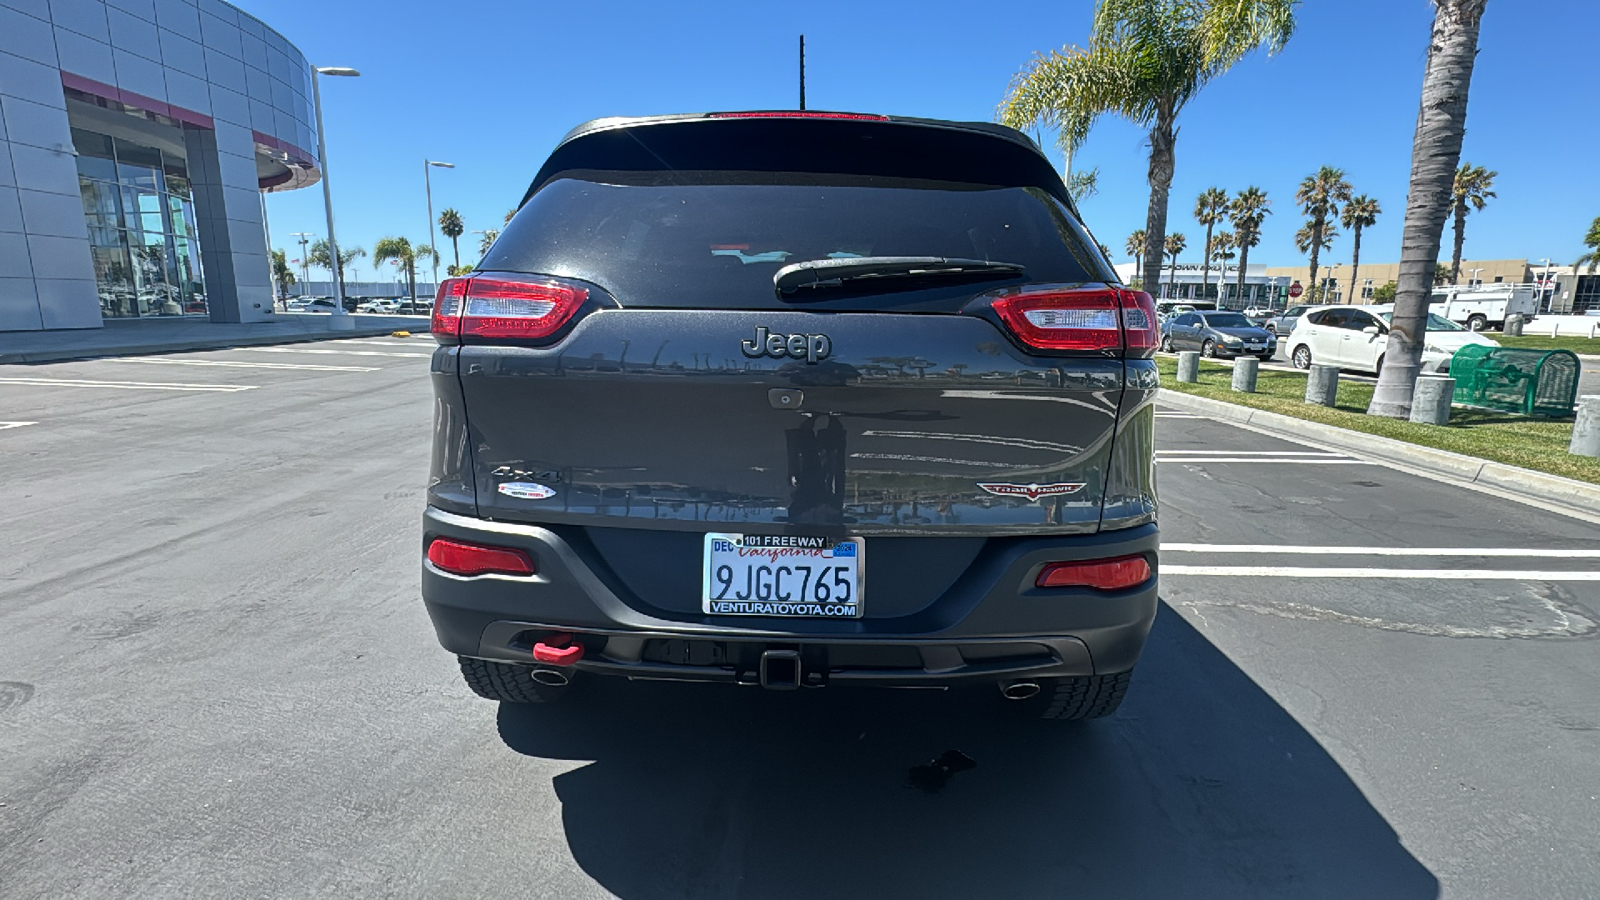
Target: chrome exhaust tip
1019	690
551	677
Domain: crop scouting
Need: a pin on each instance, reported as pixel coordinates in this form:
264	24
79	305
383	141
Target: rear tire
1166	343
1301	357
507	682
1085	697
1477	323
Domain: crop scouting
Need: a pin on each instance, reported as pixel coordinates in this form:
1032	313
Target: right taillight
484	308
1101	574
1091	319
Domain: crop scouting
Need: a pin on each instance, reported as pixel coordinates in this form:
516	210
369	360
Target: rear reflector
496	308
1055	317
459	558
798	114
1100	574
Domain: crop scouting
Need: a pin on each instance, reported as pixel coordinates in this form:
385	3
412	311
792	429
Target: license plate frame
775	553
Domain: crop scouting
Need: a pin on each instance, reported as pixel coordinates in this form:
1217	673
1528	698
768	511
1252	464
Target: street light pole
1545	294
340	320
433	239
305	261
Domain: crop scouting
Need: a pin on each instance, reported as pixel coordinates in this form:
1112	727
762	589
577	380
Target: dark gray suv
794	399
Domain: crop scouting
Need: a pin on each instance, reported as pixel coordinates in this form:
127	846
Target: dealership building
138	138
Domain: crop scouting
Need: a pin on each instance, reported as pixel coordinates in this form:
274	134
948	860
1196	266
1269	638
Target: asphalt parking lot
216	680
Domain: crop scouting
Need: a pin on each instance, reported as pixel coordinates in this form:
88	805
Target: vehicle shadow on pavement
1202	786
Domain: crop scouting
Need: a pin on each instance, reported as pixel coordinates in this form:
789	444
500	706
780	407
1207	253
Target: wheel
1209	348
1477	322
1166	343
1377	368
1272	329
1083	697
1301	357
507	682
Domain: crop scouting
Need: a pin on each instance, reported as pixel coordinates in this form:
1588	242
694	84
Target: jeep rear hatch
629	347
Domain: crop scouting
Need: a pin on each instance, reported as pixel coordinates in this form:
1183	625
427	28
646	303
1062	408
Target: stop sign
1295	290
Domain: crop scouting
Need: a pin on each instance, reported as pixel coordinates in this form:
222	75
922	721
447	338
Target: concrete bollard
1430	403
1513	326
1322	385
1189	366
1586	428
1245	369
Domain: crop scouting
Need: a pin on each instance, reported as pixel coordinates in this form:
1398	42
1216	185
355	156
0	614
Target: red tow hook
558	650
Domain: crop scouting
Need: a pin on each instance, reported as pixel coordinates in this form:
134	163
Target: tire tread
505	682
1085	697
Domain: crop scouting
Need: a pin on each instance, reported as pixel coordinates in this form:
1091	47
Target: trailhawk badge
1032	491
526	490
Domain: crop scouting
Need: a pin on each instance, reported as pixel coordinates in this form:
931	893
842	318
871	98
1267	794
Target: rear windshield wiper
825	273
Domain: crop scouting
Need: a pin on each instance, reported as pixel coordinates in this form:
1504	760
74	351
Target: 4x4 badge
809	347
1032	491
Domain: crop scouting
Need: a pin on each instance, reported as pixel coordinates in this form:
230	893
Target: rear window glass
715	239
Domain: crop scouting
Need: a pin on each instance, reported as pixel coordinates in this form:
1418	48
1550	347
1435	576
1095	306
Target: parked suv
794	399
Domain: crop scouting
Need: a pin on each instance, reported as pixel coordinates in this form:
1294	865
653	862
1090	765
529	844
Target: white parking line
374	343
128	385
5	425
239	365
329	352
1284	453
1269	550
1264	459
1352	573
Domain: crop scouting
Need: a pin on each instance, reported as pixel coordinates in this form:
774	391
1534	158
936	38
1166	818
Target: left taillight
481	308
1086	319
461	558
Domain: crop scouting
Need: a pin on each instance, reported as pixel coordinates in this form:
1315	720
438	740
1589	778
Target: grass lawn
1538	444
1564	342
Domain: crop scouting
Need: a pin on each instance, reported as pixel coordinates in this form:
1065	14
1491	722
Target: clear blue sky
491	86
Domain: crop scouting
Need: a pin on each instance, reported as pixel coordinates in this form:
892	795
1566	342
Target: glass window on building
1586	295
140	212
1366	289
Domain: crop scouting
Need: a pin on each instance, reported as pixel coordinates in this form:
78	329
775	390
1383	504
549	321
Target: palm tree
1435	153
347	256
487	241
509	214
1319	197
1361	212
1209	209
1471	189
1592	241
1146	59
1176	243
1306	241
401	250
1083	185
283	273
1246	212
450	226
1135	247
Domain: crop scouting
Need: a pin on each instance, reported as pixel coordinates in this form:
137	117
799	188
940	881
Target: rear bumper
991	625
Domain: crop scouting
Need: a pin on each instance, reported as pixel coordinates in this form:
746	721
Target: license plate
782	575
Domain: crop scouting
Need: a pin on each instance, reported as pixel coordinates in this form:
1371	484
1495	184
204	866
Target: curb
1553	489
150	347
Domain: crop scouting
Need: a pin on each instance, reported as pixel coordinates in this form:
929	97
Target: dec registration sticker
782	575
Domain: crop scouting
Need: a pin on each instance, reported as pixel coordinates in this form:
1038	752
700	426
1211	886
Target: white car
379	306
1355	337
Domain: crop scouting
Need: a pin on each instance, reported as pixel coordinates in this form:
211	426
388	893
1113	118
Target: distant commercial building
1191	281
1565	291
139	136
